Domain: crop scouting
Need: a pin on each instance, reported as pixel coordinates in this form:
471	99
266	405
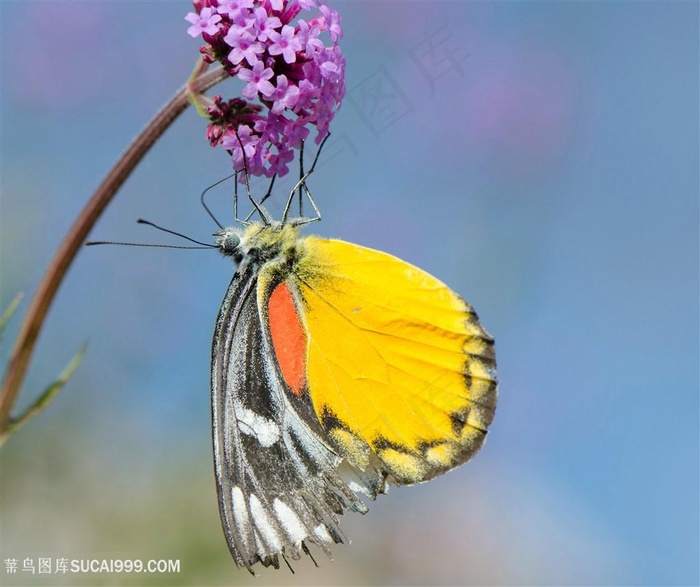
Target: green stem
56	272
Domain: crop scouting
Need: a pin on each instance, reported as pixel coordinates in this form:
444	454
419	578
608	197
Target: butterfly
337	370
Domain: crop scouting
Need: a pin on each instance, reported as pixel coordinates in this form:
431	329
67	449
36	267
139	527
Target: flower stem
36	314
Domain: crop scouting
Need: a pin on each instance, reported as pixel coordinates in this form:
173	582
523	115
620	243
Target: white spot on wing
265	431
322	534
240	511
264	525
291	523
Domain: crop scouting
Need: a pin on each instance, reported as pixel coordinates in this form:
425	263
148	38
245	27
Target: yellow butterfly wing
400	372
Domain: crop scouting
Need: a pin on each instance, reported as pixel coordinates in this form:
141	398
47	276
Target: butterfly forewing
400	368
276	476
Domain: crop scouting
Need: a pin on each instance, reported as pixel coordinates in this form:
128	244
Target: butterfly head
228	241
263	241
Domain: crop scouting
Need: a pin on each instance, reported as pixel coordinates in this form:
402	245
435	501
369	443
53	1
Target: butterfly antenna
178	234
200	244
246	177
201	199
153	245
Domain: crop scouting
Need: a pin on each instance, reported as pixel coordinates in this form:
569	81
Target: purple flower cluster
284	63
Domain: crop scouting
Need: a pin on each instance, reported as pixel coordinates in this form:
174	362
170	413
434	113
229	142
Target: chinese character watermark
380	101
438	55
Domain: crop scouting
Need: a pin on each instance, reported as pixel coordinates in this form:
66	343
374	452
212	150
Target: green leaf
7	314
49	393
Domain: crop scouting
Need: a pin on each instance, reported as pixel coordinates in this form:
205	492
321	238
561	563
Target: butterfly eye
228	242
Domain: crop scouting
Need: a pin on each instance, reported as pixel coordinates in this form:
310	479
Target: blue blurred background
540	158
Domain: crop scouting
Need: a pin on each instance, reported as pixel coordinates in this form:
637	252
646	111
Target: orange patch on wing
288	338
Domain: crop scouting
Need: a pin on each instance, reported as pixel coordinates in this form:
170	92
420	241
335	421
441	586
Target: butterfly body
336	371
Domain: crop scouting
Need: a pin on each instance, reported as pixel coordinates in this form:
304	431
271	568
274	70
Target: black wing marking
276	475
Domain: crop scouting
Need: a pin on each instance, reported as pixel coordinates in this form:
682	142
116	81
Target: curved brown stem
31	327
